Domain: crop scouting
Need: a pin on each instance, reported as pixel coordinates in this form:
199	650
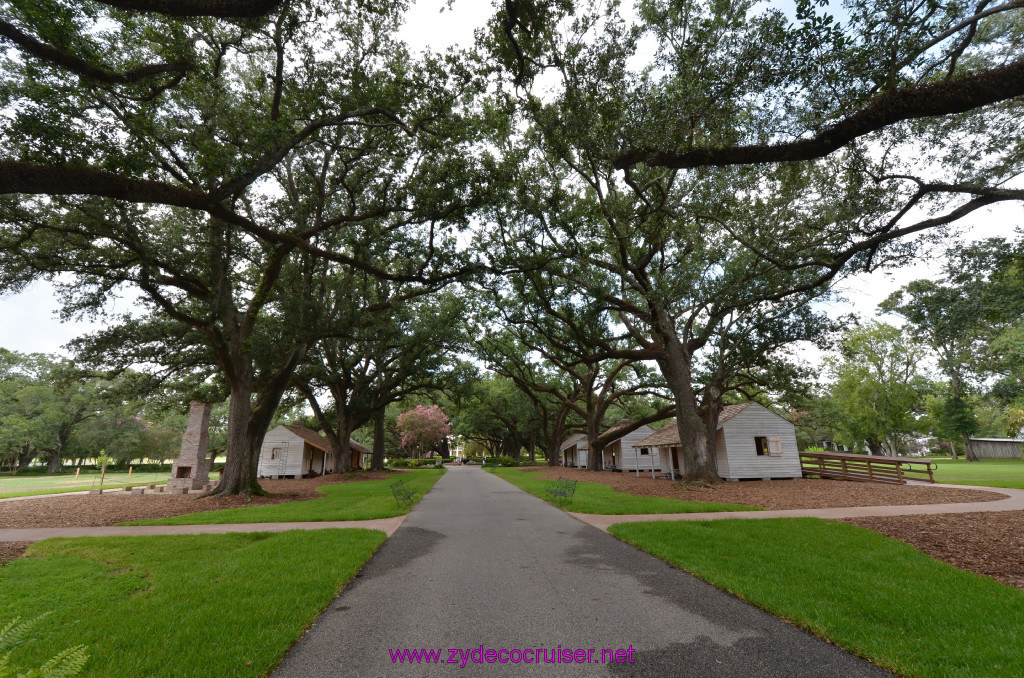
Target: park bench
402	494
562	491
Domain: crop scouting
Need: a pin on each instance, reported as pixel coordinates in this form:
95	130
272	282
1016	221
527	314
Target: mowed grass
359	500
865	592
594	497
184	605
31	485
990	472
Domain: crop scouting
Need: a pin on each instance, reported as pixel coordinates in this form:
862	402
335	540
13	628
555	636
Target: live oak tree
709	199
383	341
545	323
293	140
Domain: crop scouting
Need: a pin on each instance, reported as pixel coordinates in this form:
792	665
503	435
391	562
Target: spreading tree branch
932	100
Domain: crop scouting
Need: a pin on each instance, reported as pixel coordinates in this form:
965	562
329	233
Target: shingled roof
575	440
319	441
669	433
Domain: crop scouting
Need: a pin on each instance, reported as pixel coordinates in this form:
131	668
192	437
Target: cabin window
275	452
761	446
645	450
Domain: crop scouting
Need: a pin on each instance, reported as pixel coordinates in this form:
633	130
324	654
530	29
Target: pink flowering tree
423	428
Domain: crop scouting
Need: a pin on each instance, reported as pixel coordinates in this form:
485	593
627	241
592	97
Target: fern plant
65	664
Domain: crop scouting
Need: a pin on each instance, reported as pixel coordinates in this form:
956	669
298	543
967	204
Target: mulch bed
115	507
986	543
9	550
801	493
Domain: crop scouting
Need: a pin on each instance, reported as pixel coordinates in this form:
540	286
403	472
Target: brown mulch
115	507
986	543
801	493
9	550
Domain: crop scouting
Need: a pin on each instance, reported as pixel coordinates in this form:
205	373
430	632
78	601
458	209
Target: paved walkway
45	496
387	525
1014	502
481	563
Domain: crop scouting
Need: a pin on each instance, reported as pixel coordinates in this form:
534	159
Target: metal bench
402	494
562	491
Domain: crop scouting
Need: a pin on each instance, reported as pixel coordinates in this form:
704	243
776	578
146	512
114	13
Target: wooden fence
867	468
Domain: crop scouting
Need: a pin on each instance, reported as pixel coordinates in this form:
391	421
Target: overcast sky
28	321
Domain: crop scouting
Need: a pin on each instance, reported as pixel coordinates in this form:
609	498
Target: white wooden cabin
622	454
294	451
619	454
752	442
574	451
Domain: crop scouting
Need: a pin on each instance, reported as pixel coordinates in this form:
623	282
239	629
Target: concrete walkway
480	564
1014	502
386	525
44	496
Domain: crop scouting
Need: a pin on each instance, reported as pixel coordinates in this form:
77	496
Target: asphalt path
481	565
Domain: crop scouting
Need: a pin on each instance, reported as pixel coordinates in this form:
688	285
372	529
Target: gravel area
115	507
986	543
9	550
800	493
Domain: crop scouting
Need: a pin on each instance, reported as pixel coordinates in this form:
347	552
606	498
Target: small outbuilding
574	451
752	442
996	448
618	454
294	451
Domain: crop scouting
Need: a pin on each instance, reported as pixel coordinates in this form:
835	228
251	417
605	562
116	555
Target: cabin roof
669	433
321	442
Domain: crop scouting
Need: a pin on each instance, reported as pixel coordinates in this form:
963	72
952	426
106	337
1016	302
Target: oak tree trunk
378	441
696	432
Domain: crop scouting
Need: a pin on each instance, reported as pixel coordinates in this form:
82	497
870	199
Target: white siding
292	447
631	456
740	456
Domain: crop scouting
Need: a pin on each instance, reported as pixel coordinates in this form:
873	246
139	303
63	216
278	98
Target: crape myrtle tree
290	141
422	428
708	199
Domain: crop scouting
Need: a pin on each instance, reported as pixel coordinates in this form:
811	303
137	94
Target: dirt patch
9	550
116	506
801	493
986	543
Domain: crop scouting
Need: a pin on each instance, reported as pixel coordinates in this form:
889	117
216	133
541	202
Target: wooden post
129	473
77	471
103	472
899	473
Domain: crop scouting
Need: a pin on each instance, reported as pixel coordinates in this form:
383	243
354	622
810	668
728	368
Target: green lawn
358	500
594	497
990	472
195	605
865	592
28	485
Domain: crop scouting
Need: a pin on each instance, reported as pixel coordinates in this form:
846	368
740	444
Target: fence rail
865	468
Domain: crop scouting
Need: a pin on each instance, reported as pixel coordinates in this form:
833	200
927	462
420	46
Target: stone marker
138	490
191	470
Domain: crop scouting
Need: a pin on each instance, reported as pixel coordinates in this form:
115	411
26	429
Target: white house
752	442
619	454
574	451
294	451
